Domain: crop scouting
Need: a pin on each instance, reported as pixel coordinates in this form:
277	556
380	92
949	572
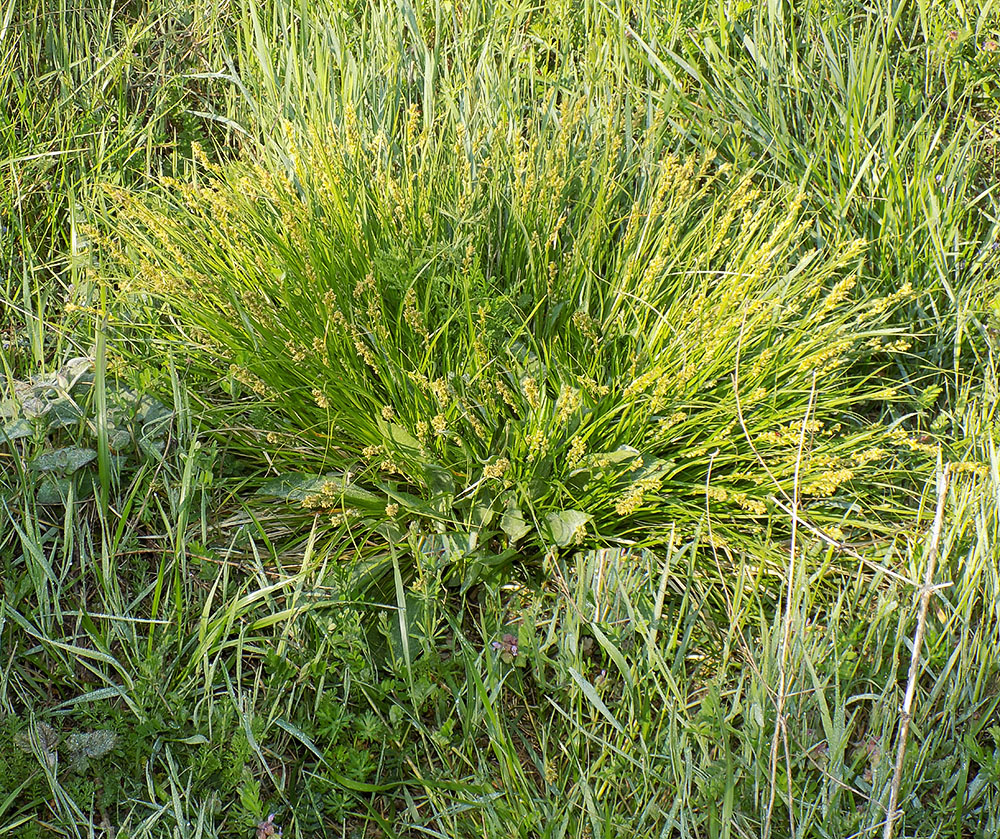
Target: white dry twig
780	726
926	591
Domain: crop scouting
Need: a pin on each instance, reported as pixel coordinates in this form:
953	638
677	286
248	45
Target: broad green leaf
55	489
481	515
193	740
399	440
440	481
119	439
483	563
65	461
15	430
64	413
652	467
46	738
390	530
621	459
604	460
152	448
561	528
92	744
442	488
513	523
410	502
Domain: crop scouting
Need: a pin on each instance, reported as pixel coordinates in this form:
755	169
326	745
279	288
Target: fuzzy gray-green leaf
65	461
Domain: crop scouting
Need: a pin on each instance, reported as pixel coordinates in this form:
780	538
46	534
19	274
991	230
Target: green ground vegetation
486	419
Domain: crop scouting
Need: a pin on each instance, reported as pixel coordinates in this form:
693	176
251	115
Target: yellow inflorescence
631	500
529	387
538	444
567	405
497	469
577	449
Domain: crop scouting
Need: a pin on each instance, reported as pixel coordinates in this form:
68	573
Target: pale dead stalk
734	622
787	508
780	727
926	591
843	546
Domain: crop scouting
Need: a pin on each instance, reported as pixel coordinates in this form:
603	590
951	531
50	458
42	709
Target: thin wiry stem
842	546
926	591
780	729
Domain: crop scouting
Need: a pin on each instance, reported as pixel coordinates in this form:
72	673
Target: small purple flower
268	828
507	647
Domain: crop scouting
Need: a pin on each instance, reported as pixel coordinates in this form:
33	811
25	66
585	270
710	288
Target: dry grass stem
926	592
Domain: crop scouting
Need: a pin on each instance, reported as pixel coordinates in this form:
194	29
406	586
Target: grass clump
534	337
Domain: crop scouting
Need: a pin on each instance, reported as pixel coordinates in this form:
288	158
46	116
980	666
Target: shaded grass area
403	405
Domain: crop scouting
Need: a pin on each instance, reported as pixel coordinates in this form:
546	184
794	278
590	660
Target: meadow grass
474	419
